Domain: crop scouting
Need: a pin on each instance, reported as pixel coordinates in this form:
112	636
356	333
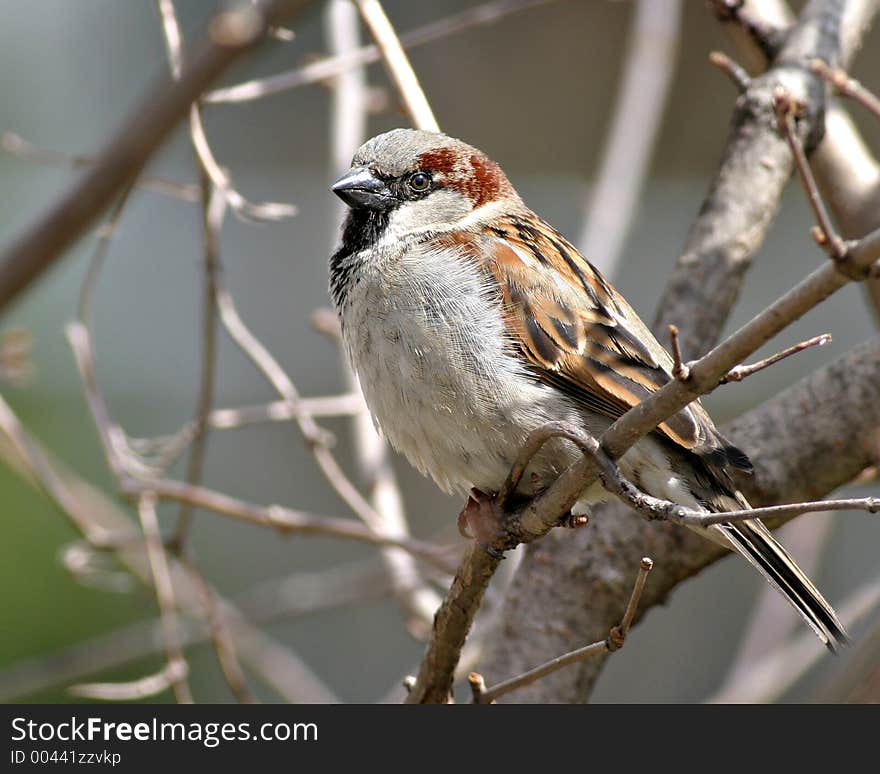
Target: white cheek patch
438	211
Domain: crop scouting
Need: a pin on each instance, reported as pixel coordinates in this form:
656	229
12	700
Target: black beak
359	187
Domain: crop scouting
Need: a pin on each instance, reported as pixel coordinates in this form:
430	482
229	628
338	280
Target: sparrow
470	322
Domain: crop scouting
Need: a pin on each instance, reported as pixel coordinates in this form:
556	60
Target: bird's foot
483	519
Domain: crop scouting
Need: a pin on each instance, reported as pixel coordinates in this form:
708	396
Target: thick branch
807	441
731	226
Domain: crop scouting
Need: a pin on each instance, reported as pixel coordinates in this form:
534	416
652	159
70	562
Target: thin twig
165	597
742	371
213	211
134	690
219	177
343	405
280	598
349	121
105	236
734	71
21	148
415	104
102	522
326	69
287	520
231	33
787	110
221	638
649	65
679	368
166	449
846	85
613	642
652	507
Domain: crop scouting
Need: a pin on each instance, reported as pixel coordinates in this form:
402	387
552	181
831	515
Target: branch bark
808	440
730	227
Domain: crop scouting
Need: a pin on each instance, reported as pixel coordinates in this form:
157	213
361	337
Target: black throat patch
362	229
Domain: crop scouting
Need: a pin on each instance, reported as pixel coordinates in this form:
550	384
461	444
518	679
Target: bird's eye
419	181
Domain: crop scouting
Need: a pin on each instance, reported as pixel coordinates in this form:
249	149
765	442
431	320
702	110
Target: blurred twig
177	667
325	69
649	65
768	678
412	97
213	209
103	524
21	148
170	676
230	34
218	176
349	130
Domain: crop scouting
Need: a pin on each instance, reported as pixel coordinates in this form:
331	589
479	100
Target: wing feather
576	332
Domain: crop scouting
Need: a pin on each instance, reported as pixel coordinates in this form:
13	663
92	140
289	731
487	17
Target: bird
470	322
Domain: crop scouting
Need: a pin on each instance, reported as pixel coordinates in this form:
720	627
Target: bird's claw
482	519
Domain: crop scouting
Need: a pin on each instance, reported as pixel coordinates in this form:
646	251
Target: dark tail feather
754	541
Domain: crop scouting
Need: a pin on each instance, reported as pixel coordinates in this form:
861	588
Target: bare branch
100	520
679	369
295	595
737	74
742	371
231	33
213	211
847	172
415	104
613	642
165	597
221	638
786	111
326	69
21	148
219	177
846	85
729	228
143	688
649	64
768	678
286	520
349	121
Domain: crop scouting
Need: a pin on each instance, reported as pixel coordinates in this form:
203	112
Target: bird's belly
440	379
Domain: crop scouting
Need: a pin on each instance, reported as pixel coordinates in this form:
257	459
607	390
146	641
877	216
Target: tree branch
814	437
730	227
230	34
415	104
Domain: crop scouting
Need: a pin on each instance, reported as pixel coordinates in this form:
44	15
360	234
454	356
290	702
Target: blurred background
535	91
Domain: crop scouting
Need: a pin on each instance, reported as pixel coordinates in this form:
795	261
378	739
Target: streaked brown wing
578	333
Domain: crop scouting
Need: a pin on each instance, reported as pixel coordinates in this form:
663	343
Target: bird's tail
754	541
